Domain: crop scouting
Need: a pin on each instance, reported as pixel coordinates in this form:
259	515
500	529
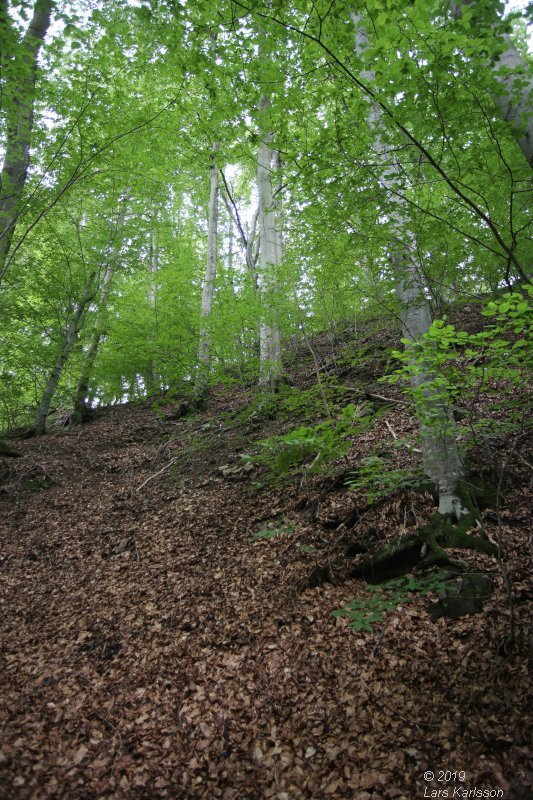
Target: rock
463	598
236	471
121	547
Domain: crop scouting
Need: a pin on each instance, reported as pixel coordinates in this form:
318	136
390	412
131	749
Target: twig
389	427
172	460
524	461
379	641
395	437
383	399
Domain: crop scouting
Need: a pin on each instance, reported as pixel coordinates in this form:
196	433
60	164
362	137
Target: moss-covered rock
463	597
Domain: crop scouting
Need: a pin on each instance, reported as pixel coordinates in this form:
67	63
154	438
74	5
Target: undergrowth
364	611
314	446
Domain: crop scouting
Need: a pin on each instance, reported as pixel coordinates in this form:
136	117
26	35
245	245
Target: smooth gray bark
442	461
270	369
514	98
19	110
208	289
153	379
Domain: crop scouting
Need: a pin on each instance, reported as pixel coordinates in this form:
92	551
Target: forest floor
155	646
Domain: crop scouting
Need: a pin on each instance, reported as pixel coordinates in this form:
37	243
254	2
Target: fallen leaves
187	665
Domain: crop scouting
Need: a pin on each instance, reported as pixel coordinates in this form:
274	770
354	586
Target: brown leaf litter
153	648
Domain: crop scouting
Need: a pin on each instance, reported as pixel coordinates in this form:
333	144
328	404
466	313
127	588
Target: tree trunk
71	335
18	107
82	388
515	97
153	379
269	335
250	242
442	462
208	290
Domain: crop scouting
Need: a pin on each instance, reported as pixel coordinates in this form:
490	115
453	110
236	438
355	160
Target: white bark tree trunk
153	379
442	461
270	369
18	106
82	387
208	289
515	98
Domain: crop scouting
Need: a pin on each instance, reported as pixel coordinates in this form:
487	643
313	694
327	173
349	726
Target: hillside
167	625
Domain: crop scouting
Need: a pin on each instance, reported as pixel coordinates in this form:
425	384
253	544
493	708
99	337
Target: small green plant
319	444
378	481
457	365
305	404
307	548
364	612
270	533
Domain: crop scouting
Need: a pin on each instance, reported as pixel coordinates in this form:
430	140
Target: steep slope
167	626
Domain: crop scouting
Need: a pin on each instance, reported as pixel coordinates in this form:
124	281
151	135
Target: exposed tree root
424	549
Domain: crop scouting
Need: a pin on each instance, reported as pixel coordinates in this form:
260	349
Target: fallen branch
383	399
138	489
395	437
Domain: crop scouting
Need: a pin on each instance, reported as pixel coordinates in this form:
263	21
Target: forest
265	450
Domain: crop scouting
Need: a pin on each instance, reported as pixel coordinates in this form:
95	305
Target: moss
442	533
426	548
396	559
482	493
467	596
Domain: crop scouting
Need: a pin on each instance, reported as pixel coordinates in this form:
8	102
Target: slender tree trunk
74	326
250	241
18	107
231	237
82	388
270	369
514	98
153	379
253	248
208	290
442	461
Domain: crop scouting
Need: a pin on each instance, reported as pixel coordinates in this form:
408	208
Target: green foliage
456	366
318	444
270	533
378	480
290	402
364	612
106	115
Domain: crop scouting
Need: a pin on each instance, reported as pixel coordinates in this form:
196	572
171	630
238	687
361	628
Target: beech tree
204	352
513	94
391	165
270	334
19	63
112	257
442	461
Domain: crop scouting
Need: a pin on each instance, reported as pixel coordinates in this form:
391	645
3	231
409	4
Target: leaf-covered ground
153	646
